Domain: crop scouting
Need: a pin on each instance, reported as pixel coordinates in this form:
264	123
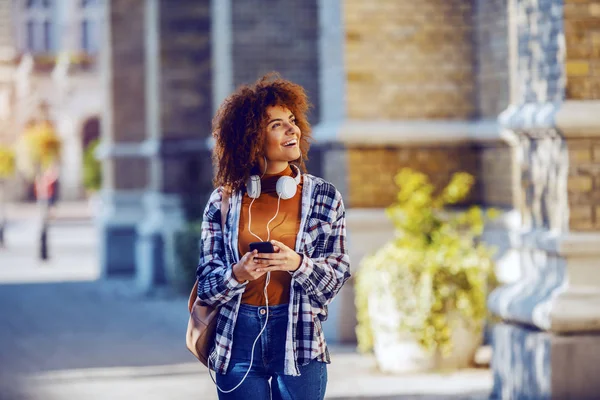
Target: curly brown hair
240	123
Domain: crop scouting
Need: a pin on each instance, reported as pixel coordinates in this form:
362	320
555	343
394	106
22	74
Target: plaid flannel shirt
324	269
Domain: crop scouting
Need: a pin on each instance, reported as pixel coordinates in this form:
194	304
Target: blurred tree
39	154
92	168
7	170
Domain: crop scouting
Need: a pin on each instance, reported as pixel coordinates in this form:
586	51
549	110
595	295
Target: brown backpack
203	319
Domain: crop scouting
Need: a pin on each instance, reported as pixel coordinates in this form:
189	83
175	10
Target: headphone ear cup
253	186
286	187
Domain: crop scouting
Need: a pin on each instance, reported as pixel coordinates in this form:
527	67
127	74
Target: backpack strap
224	207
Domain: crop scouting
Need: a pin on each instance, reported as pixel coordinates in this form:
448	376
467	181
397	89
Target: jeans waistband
278	311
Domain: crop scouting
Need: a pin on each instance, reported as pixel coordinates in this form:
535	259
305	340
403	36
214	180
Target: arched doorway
91	171
91	131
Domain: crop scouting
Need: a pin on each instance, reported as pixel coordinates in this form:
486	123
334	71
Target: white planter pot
398	352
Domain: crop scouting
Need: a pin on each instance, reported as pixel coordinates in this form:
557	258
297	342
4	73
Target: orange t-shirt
284	228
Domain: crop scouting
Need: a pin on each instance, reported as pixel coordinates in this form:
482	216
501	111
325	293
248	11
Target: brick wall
131	173
491	57
126	20
584	184
408	59
371	170
582	38
186	102
185	68
582	35
496	172
277	35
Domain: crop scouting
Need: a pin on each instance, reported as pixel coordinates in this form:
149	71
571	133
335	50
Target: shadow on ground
80	325
464	396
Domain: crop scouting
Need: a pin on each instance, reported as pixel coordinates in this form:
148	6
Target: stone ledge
579	118
560	287
576	310
409	132
529	116
571	244
152	148
572	118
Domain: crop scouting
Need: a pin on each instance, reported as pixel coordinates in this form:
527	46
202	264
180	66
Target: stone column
125	167
179	111
158	169
547	345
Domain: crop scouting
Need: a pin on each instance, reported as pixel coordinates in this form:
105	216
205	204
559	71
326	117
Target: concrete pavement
66	335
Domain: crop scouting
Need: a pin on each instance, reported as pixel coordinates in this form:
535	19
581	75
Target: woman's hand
246	269
284	259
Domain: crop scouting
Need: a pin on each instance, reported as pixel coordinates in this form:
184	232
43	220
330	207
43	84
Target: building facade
507	90
52	51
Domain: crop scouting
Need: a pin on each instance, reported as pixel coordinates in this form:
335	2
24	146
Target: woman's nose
289	128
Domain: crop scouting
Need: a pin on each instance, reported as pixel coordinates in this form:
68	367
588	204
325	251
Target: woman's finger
249	255
281	246
283	261
270	256
271	268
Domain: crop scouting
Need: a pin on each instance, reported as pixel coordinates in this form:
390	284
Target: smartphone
262	247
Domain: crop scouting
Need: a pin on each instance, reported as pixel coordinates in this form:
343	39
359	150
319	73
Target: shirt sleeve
216	283
323	277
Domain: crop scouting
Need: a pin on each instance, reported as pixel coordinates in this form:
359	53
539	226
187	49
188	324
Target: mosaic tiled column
547	346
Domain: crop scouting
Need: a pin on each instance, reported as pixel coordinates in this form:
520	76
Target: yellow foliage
41	145
7	162
435	264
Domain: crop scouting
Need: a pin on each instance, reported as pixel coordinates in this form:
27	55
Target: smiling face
282	141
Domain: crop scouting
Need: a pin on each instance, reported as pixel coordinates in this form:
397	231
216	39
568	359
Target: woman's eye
276	125
293	121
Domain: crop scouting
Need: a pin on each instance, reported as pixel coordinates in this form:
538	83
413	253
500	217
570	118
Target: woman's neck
273	167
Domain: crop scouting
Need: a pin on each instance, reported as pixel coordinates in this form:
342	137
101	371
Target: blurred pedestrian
46	185
281	256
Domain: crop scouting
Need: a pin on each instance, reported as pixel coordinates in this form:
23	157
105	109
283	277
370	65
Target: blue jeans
266	379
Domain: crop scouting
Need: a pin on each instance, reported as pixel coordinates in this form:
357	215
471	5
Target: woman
269	341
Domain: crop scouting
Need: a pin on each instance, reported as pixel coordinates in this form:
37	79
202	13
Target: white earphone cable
267	280
253	344
272	219
250	221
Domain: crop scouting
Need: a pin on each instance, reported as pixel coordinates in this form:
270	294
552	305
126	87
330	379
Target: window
37	34
89	40
47	35
89	3
38	3
30	35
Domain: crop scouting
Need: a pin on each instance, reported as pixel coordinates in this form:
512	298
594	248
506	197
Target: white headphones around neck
286	185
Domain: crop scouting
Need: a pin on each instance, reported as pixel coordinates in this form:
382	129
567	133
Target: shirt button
262	311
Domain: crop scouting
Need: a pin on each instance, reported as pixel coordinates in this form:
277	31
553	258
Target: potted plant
421	298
